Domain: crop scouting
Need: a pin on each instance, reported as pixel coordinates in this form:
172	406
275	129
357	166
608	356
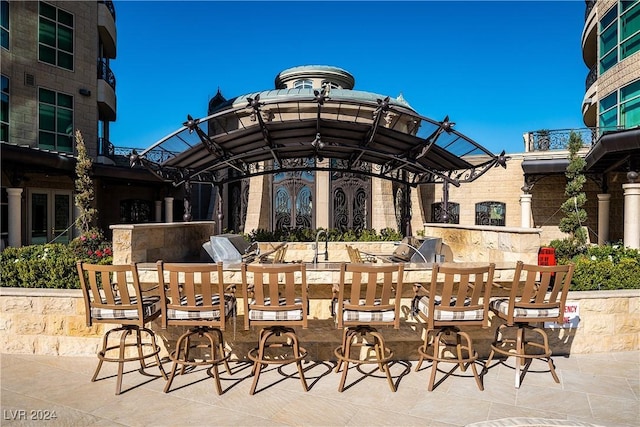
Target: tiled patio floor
596	389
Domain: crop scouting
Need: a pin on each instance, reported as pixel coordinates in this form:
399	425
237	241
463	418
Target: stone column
321	201
15	215
525	210
168	209
158	213
631	214
604	201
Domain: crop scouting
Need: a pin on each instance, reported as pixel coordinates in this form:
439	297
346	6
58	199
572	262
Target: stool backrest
370	288
112	288
262	284
538	287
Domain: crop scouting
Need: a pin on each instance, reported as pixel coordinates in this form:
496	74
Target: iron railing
121	154
558	139
110	7
105	73
591	77
589	4
105	148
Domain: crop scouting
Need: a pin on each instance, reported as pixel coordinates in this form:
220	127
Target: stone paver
595	390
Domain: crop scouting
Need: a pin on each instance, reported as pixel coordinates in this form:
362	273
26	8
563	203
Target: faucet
326	246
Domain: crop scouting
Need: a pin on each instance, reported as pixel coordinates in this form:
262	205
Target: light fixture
84	91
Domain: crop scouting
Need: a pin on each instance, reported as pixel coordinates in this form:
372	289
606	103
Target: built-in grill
230	249
417	250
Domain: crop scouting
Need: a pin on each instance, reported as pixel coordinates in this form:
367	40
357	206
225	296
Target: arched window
491	213
303	84
437	210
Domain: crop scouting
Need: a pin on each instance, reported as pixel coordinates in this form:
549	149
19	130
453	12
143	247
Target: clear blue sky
498	69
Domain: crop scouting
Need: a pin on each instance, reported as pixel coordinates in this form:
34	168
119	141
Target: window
55	120
303	84
630	105
135	211
55	36
619	34
330	85
4	24
621	108
490	213
4	110
437	211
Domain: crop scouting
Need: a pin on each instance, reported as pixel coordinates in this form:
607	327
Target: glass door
50	216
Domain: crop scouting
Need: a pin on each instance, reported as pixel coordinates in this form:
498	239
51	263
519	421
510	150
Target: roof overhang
314	130
617	151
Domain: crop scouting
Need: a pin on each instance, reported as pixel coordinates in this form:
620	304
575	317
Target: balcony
106	92
590	37
558	139
107	28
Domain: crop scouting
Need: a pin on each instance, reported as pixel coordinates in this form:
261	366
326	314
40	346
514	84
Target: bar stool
368	297
275	297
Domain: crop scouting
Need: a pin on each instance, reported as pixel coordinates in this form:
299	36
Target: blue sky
498	69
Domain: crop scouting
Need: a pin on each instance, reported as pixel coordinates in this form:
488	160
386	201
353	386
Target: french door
50	216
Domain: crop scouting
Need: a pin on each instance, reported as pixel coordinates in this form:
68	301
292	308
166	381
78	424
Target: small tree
575	215
84	187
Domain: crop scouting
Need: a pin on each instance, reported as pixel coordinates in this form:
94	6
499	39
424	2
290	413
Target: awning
305	129
617	151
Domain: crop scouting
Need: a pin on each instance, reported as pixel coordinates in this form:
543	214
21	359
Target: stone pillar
168	209
321	200
604	200
525	210
15	216
158	213
631	215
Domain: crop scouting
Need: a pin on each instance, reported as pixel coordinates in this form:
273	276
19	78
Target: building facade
56	79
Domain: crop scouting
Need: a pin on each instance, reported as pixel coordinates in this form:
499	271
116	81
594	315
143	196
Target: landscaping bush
52	265
606	268
335	235
39	266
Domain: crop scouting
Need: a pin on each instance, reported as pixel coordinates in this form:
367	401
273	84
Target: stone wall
474	243
173	242
52	322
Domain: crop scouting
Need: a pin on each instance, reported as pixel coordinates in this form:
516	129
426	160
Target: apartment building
56	78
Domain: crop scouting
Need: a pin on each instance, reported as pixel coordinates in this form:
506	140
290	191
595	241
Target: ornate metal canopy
305	129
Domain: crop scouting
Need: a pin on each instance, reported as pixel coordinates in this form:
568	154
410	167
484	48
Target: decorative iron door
238	202
292	200
351	199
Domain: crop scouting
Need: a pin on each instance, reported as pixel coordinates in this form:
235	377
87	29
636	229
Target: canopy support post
220	214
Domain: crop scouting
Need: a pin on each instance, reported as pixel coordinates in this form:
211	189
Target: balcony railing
558	139
105	148
110	7
591	77
105	73
589	6
121	154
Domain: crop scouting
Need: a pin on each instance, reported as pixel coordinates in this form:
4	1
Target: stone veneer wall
52	322
173	242
472	243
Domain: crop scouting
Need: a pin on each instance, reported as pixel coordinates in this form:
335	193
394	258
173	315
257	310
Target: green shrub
92	247
606	268
39	266
52	265
335	235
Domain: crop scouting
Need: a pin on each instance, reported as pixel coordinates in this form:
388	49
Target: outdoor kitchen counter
323	276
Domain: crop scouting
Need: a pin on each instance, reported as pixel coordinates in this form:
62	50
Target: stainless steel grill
230	249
